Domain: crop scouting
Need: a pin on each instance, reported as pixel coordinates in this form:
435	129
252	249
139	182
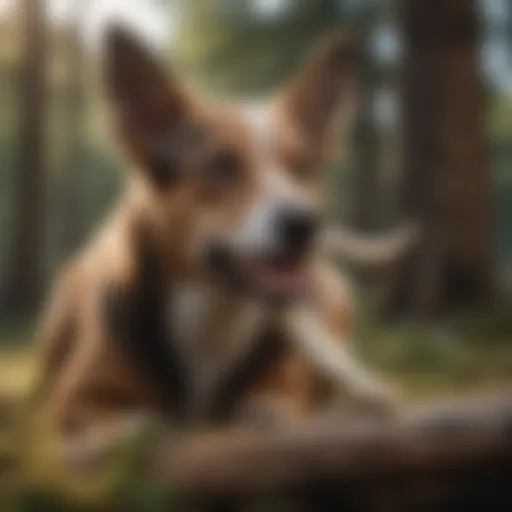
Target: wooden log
439	439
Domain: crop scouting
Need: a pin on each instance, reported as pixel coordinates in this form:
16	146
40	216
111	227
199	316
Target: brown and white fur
213	252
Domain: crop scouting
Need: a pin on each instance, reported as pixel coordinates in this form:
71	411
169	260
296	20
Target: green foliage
470	349
235	50
119	478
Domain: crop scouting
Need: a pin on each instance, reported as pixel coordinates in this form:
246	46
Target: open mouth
278	277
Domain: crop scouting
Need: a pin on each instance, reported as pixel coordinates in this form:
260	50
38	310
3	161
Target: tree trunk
25	279
366	162
71	196
446	176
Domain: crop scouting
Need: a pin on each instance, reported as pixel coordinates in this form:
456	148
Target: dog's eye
162	169
224	168
222	172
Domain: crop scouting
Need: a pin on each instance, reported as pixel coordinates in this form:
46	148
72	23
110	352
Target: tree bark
366	158
26	256
71	196
446	176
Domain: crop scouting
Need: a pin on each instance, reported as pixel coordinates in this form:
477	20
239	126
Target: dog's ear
320	99
147	102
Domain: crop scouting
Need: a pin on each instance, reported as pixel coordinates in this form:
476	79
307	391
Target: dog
208	294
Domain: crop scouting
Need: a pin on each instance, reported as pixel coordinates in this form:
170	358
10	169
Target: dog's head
238	187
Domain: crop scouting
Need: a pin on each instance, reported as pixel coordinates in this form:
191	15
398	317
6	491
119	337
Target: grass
464	352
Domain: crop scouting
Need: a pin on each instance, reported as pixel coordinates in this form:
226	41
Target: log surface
445	438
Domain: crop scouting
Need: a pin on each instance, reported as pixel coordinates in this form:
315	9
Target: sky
497	52
146	16
270	8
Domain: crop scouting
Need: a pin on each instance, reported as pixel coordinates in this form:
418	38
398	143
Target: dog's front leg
280	395
334	358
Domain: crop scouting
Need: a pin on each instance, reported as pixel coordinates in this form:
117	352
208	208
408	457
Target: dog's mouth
277	277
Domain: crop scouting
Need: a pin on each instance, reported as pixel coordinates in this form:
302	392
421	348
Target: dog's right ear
319	101
147	102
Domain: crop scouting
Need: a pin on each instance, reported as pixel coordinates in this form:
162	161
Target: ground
465	355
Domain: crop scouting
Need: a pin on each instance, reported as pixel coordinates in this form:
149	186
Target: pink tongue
288	281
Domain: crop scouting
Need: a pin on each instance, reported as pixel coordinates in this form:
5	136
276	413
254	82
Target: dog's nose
297	228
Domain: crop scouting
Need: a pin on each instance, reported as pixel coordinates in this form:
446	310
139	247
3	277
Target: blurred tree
365	171
72	129
244	46
24	286
447	179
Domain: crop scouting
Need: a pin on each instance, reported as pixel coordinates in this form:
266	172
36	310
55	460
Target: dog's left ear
137	83
149	105
320	99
